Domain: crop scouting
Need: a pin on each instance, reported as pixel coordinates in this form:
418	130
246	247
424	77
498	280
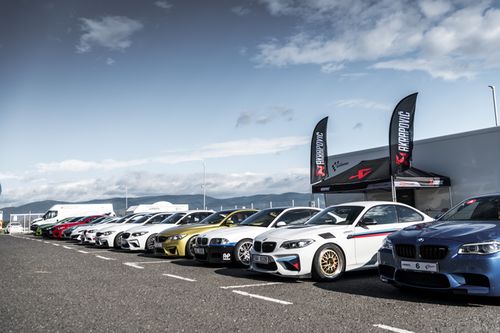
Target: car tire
149	247
188	251
242	252
328	263
117	243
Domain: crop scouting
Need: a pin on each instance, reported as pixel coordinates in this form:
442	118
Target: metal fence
25	219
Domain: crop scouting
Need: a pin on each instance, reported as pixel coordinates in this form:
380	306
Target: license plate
420	266
158	245
226	256
260	259
199	250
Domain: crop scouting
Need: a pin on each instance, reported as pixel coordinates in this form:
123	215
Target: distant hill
195	202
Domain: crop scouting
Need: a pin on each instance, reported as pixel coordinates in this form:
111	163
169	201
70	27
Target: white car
90	234
78	231
111	236
141	238
14	228
340	238
232	245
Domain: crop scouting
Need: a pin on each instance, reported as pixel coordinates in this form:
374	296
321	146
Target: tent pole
451	198
393	189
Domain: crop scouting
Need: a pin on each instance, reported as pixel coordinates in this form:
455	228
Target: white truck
59	212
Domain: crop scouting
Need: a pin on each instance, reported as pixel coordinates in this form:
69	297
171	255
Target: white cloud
110	61
142	183
111	32
360	104
448	40
240	10
261	118
331	68
163	5
246	147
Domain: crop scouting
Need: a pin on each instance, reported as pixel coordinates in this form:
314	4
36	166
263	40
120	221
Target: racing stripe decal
372	234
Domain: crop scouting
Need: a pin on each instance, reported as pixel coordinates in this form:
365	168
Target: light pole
494	104
204	184
126	199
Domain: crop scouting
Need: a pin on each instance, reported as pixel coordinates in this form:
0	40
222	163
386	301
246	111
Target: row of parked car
458	252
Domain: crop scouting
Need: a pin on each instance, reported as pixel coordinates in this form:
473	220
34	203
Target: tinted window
383	214
486	208
239	217
263	218
172	219
340	215
194	218
215	218
297	216
406	214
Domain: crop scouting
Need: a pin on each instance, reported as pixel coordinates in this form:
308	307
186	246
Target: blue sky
96	96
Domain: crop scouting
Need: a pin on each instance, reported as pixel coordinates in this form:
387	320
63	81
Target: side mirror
280	224
368	221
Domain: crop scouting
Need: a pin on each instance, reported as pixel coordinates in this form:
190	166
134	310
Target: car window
194	218
239	217
406	214
383	214
485	208
158	218
339	215
263	218
297	216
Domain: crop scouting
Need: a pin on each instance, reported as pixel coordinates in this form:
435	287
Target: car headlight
295	244
107	233
176	237
139	233
219	241
387	245
488	247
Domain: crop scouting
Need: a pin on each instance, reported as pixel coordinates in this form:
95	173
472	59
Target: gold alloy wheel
330	263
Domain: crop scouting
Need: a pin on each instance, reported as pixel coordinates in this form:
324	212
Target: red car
57	232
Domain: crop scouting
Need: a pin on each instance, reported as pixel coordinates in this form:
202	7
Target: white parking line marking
46	242
179	277
251	285
67	247
105	258
81	251
55	244
269	299
392	329
136	264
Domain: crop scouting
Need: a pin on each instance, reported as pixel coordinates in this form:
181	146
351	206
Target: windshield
337	215
50	214
215	218
263	218
478	209
172	219
139	219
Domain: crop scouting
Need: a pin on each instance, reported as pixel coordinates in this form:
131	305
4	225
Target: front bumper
282	262
133	244
104	241
171	248
215	254
462	274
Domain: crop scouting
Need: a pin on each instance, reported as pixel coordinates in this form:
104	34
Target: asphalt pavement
58	286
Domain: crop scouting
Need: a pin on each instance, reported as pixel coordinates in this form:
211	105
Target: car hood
190	229
236	234
303	231
466	231
152	228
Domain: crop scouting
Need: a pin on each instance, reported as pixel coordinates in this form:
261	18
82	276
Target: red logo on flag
402	159
320	171
362	173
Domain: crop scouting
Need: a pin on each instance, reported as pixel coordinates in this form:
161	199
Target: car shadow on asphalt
367	283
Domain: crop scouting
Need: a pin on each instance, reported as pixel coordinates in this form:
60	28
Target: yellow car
179	242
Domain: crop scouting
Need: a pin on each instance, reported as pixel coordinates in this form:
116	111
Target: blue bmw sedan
460	252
